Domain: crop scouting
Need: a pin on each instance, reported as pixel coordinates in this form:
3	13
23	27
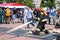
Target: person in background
18	15
11	19
25	14
48	12
3	16
8	11
14	16
57	19
53	14
1	13
29	16
21	15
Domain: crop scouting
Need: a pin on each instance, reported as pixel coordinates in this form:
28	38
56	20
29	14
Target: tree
28	3
1	1
47	3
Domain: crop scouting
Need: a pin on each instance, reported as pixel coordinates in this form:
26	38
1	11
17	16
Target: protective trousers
40	28
41	25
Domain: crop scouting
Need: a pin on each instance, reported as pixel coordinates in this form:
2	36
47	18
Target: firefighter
42	18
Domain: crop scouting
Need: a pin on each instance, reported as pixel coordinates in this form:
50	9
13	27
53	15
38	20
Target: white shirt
25	11
25	15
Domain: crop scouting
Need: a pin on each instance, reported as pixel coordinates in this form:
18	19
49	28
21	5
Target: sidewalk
4	27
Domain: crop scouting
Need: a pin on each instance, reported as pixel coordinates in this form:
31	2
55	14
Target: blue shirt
29	14
53	12
48	9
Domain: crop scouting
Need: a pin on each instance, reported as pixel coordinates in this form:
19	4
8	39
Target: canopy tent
12	5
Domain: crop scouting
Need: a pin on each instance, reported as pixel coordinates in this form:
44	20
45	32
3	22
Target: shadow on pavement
16	32
19	32
4	29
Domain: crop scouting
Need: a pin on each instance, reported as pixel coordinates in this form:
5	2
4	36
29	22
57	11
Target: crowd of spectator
16	15
52	15
8	15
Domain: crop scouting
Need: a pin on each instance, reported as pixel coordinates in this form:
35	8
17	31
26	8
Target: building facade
37	3
57	4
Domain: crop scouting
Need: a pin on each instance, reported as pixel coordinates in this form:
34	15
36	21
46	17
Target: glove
38	18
